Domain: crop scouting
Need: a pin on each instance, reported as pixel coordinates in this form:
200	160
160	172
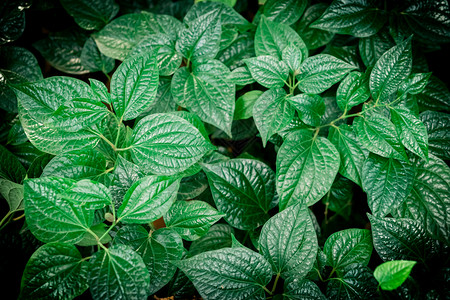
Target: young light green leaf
80	164
202	38
91	15
50	218
206	92
268	71
156	249
350	151
310	108
148	199
392	274
245	104
284	11
241	76
302	163
39	100
218	236
358	18
244	190
230	273
191	219
88	194
54	271
387	182
93	60
428	201
401	238
391	69
377	134
272	38
347	247
289	242
318	73
357	282
411	131
272	112
353	90
437	125
134	85
295	289
119	273
167	144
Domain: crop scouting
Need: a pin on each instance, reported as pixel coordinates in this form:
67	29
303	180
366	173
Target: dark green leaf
231	273
148	199
301	290
13	194
361	18
387	183
50	218
268	71
91	15
244	190
437	125
240	49
392	274
218	236
119	273
318	73
284	11
125	174
54	271
435	96
10	167
353	90
167	144
306	168
339	197
314	38
191	219
289	243
12	20
371	48
93	60
310	108
414	84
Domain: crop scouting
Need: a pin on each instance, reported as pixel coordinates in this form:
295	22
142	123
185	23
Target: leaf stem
275	283
104	138
118	131
6	219
267	290
124	149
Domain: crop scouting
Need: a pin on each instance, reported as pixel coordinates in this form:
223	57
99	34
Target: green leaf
414	84
371	48
437	125
272	38
218	236
39	100
390	70
268	71
80	164
396	239
206	92
358	18
339	197
289	243
244	190
148	199
295	289
284	11
387	183
191	219
245	104
314	38
318	73
63	50
392	274
93	60
411	131
13	194
167	57
91	15
272	112
134	85
54	271
353	90
202	38
77	114
356	283
125	174
292	57
310	108
350	151
228	36
10	167
100	232
156	249
377	134
240	49
100	90
231	273
164	101
88	194
347	247
50	218
435	96
429	200
241	76
118	273
167	144
306	168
